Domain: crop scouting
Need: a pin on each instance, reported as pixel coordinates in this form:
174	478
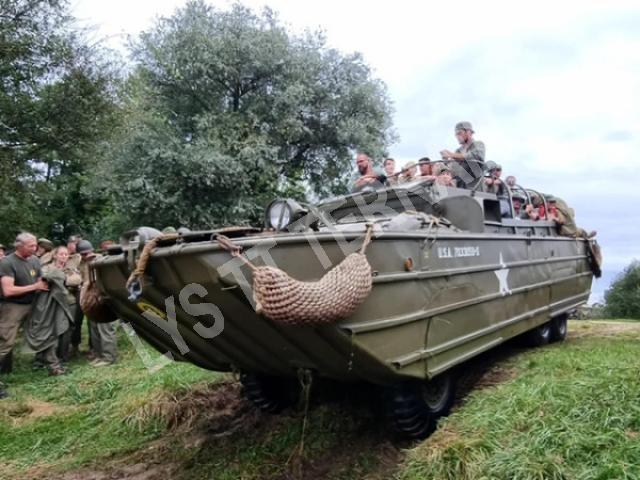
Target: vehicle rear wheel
416	407
559	328
539	336
270	394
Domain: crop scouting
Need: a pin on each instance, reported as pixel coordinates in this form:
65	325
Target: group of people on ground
40	288
466	168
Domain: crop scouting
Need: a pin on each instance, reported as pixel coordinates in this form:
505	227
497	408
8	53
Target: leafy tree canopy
623	297
228	109
57	104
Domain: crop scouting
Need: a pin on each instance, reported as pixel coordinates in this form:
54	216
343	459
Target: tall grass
573	412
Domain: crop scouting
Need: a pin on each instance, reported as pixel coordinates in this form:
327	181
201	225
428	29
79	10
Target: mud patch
29	410
139	471
339	461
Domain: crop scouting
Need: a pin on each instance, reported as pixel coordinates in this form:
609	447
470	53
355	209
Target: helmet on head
464	126
490	165
84	246
45	243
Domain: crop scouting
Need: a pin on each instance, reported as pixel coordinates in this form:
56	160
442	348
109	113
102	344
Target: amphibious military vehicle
454	273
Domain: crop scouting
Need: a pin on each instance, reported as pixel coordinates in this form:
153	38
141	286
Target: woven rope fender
335	296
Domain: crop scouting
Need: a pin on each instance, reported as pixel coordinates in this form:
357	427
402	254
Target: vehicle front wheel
416	407
559	328
270	394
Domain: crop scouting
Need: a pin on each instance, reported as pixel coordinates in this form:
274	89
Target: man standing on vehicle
470	156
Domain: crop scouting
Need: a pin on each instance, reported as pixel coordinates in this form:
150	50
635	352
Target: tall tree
623	296
227	109
57	104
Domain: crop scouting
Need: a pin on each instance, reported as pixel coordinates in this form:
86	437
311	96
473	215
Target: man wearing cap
20	279
493	183
470	154
409	172
102	336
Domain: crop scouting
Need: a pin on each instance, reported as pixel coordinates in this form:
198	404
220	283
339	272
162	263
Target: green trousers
12	316
103	340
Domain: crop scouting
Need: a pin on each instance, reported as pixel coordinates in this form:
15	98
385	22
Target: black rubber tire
269	394
539	336
415	409
440	393
559	328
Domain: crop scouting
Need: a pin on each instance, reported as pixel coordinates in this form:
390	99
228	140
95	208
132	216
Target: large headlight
281	213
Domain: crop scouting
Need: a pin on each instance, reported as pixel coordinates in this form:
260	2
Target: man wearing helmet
470	154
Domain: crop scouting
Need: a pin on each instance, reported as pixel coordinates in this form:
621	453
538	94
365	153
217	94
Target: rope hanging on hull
288	301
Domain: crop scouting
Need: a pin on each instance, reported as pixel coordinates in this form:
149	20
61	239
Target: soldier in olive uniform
73	280
470	154
102	335
73	263
564	217
74	256
493	183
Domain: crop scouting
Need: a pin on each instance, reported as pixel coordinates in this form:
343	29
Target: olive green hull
436	302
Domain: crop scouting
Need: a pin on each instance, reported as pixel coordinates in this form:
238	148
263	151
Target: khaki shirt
566	221
473	151
47	258
72	280
74	261
473	157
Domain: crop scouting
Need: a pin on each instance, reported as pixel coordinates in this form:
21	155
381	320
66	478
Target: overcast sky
551	87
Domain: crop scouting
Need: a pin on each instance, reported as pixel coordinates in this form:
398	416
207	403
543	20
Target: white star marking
503	278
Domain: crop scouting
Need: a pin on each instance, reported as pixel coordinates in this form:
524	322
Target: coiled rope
333	297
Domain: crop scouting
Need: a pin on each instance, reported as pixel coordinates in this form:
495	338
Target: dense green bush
623	297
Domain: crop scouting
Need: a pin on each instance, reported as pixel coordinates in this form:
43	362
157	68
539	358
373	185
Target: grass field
565	411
